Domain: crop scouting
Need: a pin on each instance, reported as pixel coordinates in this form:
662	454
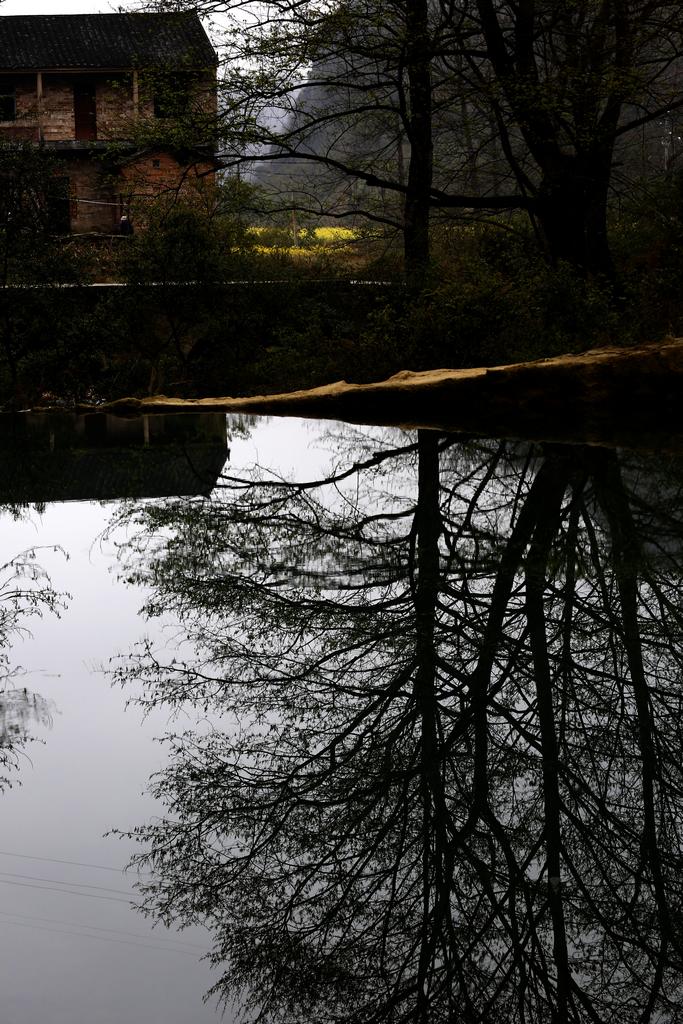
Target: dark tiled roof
44	41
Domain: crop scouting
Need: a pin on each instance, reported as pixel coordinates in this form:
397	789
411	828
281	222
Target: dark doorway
85	109
58	208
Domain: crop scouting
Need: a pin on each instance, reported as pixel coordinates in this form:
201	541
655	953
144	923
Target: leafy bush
496	302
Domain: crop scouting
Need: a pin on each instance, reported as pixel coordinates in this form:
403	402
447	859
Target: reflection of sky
87	778
305	450
89	958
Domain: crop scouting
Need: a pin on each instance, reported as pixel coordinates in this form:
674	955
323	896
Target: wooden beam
39	103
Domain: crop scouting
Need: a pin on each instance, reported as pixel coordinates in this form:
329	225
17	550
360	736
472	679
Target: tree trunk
572	213
436	856
419	131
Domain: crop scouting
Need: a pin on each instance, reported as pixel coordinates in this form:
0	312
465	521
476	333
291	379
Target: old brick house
126	102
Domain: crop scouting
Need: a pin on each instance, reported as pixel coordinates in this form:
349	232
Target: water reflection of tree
25	591
451	782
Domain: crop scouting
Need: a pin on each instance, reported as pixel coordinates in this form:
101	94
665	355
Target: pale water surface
413	574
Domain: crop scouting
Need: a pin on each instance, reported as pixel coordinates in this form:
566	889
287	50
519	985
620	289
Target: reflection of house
101	91
65	457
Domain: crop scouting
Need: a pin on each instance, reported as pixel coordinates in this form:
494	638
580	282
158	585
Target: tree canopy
549	108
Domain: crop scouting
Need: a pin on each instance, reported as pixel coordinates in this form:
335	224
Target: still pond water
390	722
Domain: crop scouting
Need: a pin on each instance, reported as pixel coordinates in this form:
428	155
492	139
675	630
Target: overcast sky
76	7
64	6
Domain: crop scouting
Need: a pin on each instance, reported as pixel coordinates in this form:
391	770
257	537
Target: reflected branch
444	775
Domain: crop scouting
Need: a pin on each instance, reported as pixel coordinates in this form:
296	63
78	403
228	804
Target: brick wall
58	108
159	171
158	174
97	201
25	93
26	124
114	103
201	91
114	107
91	192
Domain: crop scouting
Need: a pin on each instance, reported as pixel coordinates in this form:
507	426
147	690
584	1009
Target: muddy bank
612	396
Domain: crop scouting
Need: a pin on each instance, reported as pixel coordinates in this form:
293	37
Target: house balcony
31	133
84	145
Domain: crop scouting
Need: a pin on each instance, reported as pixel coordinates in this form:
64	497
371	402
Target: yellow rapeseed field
313	239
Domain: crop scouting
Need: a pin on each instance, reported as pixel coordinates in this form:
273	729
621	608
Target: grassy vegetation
214	306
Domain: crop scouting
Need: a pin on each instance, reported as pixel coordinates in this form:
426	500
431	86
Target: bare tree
479	105
443	778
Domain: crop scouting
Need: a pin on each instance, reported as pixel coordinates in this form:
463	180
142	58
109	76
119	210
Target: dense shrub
208	311
491	298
